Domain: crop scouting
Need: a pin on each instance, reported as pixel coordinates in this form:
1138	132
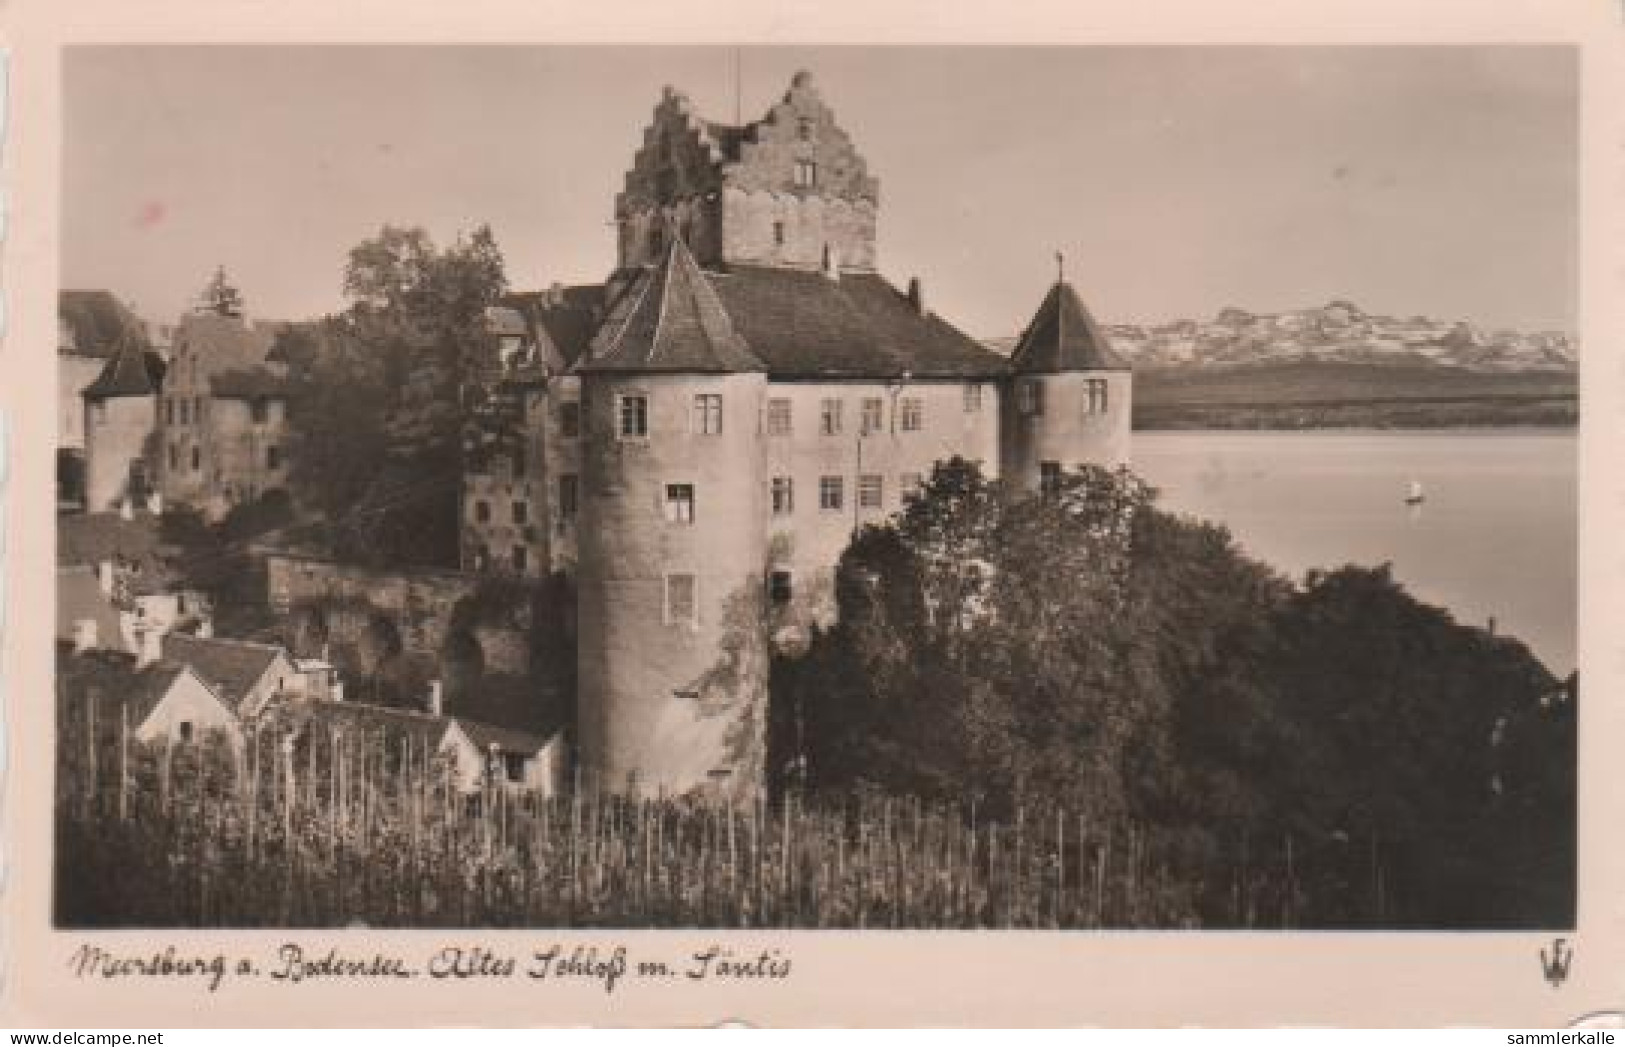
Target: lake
1495	538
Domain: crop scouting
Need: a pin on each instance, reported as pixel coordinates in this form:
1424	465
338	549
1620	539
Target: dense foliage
1083	648
376	411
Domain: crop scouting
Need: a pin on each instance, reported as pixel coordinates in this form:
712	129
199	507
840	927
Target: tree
378	404
1084	648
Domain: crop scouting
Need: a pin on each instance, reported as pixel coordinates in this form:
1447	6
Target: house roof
1064	337
806	325
91	538
112	679
226	343
230	667
97	321
347	715
565	317
670	321
248	383
132	370
79	596
506	739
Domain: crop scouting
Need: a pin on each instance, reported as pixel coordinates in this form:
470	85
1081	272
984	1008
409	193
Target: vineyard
368	829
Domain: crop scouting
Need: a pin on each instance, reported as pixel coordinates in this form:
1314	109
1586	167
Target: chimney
126	508
916	295
337	690
151	643
436	703
84	635
205	628
104	577
155	503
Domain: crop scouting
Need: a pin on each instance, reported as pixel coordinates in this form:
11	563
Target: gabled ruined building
697	439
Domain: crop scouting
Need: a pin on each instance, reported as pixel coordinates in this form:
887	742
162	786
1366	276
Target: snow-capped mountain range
1339	332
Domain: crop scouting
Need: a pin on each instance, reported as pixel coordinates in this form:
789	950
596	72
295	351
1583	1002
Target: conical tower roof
1064	337
670	321
130	372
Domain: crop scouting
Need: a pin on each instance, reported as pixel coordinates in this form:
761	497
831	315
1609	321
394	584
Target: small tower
1069	400
121	417
673	656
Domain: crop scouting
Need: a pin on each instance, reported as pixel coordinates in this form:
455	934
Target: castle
696	440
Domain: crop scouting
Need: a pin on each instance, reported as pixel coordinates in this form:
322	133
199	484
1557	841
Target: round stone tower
1069	402
121	416
673	655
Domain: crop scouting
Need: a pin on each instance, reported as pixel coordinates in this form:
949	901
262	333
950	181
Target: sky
1175	181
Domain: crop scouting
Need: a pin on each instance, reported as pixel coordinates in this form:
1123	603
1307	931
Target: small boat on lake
1414	495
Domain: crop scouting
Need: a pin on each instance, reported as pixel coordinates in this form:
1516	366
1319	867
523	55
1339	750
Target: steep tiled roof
807	325
1064	337
670	321
131	371
98	321
229	667
248	383
506	739
90	538
424	729
225	343
79	596
111	679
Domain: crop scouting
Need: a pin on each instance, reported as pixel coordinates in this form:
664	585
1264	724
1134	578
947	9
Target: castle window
197	409
482	512
778	234
657	240
1030	397
1097	388
568	493
708	413
521	558
682	599
778	417
186	411
784	496
831	494
516	461
521	512
570	419
806	174
829	417
973	398
197	459
870	491
184	729
634	417
174	457
98	410
873	414
169	410
804	128
273	457
780	587
680	503
911	414
259	410
1049	478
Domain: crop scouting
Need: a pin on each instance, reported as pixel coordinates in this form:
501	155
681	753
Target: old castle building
697	440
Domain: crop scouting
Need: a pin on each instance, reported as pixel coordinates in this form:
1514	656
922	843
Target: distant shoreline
1463	413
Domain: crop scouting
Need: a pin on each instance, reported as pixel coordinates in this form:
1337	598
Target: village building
151	698
247	676
113	584
696	441
222	419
